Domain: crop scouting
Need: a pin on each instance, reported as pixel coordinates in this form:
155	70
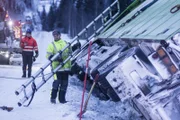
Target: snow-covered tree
51	18
18	6
44	19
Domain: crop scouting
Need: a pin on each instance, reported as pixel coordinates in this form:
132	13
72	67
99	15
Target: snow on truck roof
155	20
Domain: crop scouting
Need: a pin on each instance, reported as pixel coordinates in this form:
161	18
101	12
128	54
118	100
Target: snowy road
42	109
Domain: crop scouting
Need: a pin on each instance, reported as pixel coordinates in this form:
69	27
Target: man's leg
24	57
54	91
29	65
63	87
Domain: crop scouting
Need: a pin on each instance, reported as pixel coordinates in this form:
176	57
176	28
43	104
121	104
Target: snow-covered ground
41	108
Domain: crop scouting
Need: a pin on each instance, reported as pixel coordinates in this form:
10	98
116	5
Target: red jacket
28	44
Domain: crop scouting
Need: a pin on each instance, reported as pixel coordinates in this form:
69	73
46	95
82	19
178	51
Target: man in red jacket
29	46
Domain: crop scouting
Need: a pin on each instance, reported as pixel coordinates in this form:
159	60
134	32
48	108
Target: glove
37	54
76	46
49	58
33	58
59	59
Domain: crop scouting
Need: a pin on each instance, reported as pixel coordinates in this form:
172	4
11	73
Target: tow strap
33	86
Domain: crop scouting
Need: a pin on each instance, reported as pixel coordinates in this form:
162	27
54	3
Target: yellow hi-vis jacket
52	49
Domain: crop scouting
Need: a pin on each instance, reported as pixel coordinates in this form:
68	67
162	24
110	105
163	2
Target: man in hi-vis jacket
60	83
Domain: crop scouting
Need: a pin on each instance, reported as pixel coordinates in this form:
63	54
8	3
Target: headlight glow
10	23
7	55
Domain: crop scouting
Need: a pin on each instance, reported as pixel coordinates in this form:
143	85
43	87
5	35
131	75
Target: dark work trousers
27	61
59	86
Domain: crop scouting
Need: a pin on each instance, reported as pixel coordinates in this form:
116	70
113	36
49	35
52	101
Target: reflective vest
28	44
53	48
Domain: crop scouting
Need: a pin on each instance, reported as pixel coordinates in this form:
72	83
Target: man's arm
21	44
37	54
49	52
35	48
35	45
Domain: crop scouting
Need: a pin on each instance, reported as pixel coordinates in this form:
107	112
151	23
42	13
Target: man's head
56	34
28	32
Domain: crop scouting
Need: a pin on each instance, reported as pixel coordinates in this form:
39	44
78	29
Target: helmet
28	31
56	32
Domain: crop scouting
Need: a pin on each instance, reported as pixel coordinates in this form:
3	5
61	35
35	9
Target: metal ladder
99	19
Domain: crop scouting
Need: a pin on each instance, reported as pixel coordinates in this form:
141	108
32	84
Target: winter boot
24	74
61	96
53	101
53	96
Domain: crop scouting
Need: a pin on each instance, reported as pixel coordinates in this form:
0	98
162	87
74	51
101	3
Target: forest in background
70	16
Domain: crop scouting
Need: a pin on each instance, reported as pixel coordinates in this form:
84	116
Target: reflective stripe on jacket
53	48
29	44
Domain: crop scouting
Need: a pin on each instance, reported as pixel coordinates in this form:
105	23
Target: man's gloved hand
49	58
33	58
58	59
76	46
37	54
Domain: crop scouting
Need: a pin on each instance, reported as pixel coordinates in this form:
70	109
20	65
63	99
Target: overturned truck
138	58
